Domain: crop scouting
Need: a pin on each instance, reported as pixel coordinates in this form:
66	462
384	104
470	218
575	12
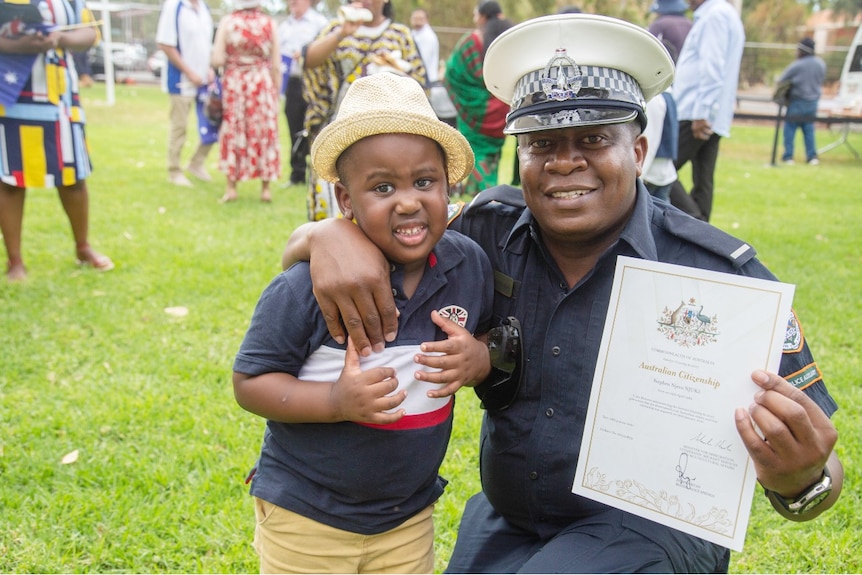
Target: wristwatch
808	499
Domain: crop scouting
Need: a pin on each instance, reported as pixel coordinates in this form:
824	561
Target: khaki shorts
290	543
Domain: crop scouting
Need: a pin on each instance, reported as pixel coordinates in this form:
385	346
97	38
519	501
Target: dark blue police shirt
529	452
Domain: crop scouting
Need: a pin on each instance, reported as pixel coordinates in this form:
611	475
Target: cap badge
558	86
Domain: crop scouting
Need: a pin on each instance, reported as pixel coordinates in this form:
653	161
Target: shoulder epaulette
708	237
506	195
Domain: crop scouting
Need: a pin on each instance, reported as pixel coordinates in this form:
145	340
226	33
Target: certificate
675	361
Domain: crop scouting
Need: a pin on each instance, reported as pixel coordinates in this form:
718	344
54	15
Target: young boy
348	471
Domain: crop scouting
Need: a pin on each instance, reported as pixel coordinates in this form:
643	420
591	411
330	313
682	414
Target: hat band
584	112
580	82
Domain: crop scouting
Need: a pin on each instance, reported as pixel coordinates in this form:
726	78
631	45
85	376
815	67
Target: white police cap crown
575	70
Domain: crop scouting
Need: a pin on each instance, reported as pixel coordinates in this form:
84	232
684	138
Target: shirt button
534	475
394	292
555	350
563	286
549	412
391	267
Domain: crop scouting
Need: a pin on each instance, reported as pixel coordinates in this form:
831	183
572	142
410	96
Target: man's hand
363	396
351	284
701	129
797	438
465	359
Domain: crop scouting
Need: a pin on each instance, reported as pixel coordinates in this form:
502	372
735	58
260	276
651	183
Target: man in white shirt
300	27
185	34
707	74
426	42
429	50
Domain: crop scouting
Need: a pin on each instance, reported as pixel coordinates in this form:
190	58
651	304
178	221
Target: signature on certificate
720	444
681	470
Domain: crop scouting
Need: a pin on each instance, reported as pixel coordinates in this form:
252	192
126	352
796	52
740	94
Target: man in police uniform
578	85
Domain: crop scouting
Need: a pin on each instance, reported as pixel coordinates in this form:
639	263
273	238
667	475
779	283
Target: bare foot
15	271
229	196
87	256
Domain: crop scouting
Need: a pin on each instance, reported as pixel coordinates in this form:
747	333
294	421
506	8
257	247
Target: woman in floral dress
246	47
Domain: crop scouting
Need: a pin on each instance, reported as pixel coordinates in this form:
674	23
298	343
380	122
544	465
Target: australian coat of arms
688	325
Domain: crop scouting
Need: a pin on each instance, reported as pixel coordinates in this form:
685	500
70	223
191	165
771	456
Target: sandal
88	257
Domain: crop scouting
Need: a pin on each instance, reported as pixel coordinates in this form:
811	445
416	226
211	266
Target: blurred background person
672	24
363	40
806	75
42	139
481	116
707	75
429	49
83	68
662	133
185	35
427	43
301	26
246	48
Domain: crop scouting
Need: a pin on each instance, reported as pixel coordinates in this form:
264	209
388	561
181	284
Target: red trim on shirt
419	421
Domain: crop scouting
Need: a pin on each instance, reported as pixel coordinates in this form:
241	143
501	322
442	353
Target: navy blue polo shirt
529	452
362	478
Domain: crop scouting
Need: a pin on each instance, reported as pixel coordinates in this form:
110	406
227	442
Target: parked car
157	63
126	57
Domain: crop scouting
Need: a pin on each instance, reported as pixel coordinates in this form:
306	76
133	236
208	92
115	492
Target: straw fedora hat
388	103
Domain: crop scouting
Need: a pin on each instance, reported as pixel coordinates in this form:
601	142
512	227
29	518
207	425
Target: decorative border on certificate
677	352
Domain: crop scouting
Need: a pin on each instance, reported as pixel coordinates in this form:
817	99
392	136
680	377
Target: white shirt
707	72
429	49
656	171
295	33
190	30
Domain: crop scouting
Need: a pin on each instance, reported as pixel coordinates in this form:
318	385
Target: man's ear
343	199
640	151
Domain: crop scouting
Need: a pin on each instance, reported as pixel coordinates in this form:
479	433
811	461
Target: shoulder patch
708	237
793	337
807	376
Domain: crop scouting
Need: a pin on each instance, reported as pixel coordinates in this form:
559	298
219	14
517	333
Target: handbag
213	108
781	96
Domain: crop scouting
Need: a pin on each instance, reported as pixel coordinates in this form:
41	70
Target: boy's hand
465	359
363	396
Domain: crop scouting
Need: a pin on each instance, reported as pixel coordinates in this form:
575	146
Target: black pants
294	109
703	155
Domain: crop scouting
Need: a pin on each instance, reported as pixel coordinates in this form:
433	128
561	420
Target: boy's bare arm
361	396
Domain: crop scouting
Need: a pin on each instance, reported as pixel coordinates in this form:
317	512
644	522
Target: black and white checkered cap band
596	82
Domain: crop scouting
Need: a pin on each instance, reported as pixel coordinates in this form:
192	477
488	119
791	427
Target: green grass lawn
93	363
